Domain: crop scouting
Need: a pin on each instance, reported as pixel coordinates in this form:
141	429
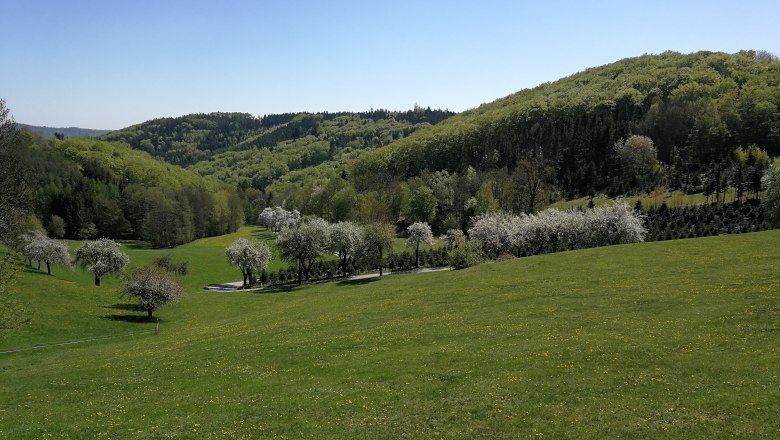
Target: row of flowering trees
304	241
552	230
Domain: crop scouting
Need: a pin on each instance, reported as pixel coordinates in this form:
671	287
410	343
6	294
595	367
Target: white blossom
101	257
276	219
249	256
552	230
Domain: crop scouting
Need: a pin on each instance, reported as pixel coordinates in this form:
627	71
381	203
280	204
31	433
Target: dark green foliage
705	220
14	192
167	263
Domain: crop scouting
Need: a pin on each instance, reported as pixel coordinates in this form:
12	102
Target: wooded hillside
695	108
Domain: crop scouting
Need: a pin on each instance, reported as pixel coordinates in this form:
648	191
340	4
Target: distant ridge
67	131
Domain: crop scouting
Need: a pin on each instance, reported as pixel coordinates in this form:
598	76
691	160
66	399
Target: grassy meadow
675	339
654	199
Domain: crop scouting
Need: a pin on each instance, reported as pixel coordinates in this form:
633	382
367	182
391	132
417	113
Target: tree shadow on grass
136	244
138	319
359	282
129	307
276	289
34	271
263	234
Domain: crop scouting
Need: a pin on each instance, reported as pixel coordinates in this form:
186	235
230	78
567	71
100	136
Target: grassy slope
666	340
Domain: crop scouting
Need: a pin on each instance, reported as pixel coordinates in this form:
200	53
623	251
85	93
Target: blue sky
109	64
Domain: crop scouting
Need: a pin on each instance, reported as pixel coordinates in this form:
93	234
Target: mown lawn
675	339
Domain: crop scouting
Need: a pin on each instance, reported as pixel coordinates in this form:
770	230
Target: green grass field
673	199
676	339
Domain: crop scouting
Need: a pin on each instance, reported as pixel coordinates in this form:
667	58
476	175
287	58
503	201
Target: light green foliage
708	102
422	205
377	242
132	165
464	255
638	161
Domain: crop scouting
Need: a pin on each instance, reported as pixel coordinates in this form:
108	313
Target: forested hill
65	131
695	108
189	139
87	188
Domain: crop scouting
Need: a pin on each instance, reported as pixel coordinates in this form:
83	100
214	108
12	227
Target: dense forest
87	188
189	139
697	109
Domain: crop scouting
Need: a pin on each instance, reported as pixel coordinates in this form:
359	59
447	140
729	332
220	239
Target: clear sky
108	64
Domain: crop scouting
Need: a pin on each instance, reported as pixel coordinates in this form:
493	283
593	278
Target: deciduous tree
14	195
249	256
377	240
345	240
419	233
302	243
101	257
152	286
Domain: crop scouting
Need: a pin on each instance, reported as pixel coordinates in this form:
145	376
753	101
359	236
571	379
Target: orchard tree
419	233
345	240
152	286
491	233
101	257
55	252
32	246
377	239
302	243
276	219
249	256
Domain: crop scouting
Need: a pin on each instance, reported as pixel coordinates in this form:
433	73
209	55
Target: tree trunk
417	256
48	268
380	269
97	280
149	312
39	264
249	277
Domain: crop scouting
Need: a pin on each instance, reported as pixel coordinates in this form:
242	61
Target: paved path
235	286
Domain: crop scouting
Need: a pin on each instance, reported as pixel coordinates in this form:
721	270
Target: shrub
464	255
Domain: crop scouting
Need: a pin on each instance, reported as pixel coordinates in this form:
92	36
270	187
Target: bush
464	255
